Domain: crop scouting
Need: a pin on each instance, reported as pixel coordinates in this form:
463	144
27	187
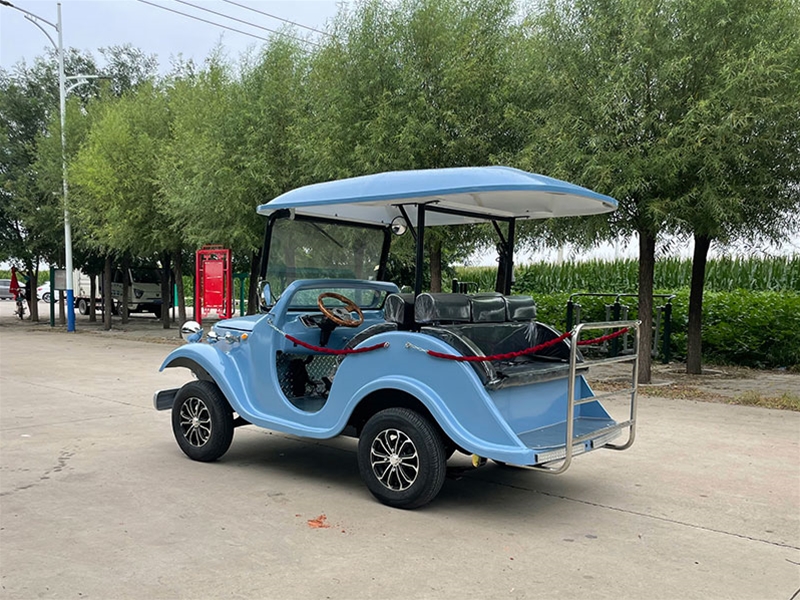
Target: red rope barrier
603	338
533	350
332	351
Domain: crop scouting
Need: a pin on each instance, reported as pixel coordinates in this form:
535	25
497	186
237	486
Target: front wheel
202	421
83	306
401	458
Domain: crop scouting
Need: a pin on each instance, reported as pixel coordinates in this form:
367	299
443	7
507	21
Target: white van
145	290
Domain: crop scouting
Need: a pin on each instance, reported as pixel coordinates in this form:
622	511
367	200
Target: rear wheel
202	421
46	297
401	458
83	306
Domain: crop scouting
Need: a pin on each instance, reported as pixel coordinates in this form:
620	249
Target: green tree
415	85
117	197
233	148
31	215
641	99
738	133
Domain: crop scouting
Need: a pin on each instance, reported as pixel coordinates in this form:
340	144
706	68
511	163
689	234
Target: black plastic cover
488	308
442	308
520	308
399	309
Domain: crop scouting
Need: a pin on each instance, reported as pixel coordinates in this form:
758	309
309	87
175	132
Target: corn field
781	274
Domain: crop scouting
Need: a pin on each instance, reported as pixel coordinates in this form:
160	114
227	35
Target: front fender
209	364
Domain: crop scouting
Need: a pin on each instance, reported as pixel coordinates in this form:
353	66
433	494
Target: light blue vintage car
415	376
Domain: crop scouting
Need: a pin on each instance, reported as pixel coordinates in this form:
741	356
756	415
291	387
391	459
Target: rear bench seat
488	324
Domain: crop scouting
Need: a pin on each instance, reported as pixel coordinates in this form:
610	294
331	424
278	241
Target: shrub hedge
741	327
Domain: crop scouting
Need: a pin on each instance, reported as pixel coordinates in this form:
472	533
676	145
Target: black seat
520	308
438	308
488	339
488	308
399	309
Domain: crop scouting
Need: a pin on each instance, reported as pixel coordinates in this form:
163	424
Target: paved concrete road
97	501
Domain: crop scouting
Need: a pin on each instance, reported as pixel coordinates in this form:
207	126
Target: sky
93	24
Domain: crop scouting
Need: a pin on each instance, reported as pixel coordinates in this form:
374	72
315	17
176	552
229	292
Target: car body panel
477	420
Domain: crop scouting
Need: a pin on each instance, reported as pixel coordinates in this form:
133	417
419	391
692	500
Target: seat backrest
399	309
442	308
488	308
520	308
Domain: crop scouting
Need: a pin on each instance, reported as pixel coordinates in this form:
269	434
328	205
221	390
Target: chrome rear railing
570	442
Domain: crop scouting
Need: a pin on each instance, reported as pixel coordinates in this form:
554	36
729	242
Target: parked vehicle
415	376
5	292
43	292
145	291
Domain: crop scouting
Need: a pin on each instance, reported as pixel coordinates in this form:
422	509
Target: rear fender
503	443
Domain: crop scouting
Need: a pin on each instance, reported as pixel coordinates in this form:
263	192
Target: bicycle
20	299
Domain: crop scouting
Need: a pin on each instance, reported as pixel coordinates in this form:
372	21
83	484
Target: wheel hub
394	459
195	420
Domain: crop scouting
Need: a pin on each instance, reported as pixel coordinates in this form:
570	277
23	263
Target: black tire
157	311
400	434
83	306
46	297
202	421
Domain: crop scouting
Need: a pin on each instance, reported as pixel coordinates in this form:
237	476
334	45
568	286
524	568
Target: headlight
138	293
192	331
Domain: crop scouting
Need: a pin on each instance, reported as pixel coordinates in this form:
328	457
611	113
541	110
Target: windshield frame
289	214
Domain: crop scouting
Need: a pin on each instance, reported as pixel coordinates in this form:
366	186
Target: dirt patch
732	385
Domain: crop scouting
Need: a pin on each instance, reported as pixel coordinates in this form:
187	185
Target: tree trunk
33	283
30	290
178	270
253	301
436	265
647	261
108	300
694	340
92	298
165	291
126	290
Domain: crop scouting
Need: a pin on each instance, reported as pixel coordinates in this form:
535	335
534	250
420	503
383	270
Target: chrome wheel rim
394	460
195	421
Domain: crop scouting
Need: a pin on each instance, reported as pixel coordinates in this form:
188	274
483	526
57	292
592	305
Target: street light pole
62	98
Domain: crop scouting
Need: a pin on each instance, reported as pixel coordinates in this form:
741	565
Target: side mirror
399	226
191	331
266	293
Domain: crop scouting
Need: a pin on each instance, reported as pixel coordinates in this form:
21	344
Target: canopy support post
420	249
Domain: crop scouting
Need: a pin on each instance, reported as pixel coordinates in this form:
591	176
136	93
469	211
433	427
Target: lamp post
62	96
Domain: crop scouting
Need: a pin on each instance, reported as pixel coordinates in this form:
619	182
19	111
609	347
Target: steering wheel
341	314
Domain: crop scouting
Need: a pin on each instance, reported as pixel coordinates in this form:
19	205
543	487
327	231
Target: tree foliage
684	110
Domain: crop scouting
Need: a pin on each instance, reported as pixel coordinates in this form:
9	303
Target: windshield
302	249
145	276
364	298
